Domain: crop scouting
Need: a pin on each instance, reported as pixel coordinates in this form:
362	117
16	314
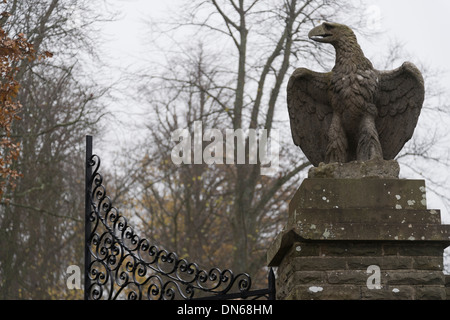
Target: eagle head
331	33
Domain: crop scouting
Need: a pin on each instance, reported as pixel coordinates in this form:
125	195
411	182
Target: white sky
422	28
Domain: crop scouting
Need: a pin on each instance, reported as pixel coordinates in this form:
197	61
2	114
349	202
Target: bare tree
232	76
41	225
230	79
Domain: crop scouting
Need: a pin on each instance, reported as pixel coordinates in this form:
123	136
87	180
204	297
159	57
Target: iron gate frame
119	262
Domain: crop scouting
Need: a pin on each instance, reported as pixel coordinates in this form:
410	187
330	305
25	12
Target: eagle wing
310	112
399	101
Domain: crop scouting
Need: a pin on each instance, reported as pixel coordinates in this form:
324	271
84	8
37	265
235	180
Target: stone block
415	277
357	277
306	216
447	286
385	263
435	263
285	285
388	293
414	248
350	248
364	209
447	281
376	168
306	249
319	263
310	277
326	292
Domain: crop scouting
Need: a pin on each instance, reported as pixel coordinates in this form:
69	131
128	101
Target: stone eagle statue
354	112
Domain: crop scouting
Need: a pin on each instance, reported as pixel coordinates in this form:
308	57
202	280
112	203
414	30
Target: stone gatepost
360	239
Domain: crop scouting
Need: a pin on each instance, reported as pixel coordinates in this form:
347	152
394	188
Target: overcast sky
419	25
422	28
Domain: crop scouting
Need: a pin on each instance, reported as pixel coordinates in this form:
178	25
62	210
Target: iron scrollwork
122	265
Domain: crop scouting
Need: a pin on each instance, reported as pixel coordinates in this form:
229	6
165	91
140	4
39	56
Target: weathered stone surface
428	263
330	249
447	281
307	216
358	277
280	247
350	248
346	270
447	286
325	292
354	111
360	193
310	277
320	263
414	248
366	232
375	168
415	277
430	293
389	293
310	249
361	209
384	262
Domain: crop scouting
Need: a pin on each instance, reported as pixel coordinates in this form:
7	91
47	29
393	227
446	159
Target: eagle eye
328	26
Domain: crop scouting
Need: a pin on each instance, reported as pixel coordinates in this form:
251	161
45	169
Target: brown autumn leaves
12	52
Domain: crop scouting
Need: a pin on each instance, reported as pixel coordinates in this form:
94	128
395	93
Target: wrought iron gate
119	264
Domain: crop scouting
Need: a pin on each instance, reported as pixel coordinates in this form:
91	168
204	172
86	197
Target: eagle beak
320	34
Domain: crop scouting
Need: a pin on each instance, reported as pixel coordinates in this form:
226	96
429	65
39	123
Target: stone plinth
376	168
344	235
